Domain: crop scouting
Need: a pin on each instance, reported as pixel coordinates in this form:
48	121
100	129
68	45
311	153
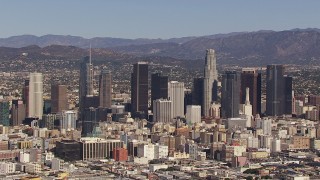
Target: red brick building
120	154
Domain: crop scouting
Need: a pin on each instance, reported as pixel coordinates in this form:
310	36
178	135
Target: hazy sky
153	19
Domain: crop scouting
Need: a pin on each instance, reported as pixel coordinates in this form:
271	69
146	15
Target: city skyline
165	19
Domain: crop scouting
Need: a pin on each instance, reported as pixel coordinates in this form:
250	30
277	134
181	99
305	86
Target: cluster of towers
241	92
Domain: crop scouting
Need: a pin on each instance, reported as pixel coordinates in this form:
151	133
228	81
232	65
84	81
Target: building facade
35	106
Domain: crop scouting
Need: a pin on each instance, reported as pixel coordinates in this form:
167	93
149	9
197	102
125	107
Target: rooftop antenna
90	54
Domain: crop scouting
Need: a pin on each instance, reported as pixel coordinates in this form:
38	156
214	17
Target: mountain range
297	46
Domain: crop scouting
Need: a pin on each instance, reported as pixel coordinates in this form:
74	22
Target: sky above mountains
153	19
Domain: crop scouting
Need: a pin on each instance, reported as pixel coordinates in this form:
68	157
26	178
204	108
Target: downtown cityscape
233	105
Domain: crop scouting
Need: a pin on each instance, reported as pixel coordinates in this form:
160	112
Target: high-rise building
197	92
4	113
193	114
210	75
230	99
89	121
162	111
68	120
105	89
176	95
159	87
279	91
25	95
59	100
18	112
251	79
35	106
139	89
86	81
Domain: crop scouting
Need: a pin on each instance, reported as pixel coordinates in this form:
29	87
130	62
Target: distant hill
297	46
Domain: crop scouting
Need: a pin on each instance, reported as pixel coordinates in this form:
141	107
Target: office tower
59	99
193	114
176	95
68	120
197	91
230	94
4	113
86	81
210	75
25	95
187	99
105	89
288	94
18	112
162	111
279	91
159	87
139	89
35	106
89	120
251	79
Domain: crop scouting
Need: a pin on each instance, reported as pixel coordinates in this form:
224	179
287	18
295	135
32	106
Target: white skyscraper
193	114
210	75
35	106
162	111
247	109
68	120
176	95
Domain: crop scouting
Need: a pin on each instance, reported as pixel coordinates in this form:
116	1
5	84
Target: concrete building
7	168
120	154
57	164
162	111
35	106
193	114
176	95
33	168
147	151
97	148
160	151
59	99
18	112
210	75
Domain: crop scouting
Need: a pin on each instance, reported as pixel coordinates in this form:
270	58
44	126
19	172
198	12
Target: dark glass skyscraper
139	89
279	91
230	99
197	92
105	89
252	79
159	87
59	100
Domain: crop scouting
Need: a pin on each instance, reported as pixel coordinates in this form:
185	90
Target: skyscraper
210	75
197	92
18	112
105	89
230	99
176	95
279	91
139	89
59	100
86	81
35	106
162	111
159	87
251	79
68	120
